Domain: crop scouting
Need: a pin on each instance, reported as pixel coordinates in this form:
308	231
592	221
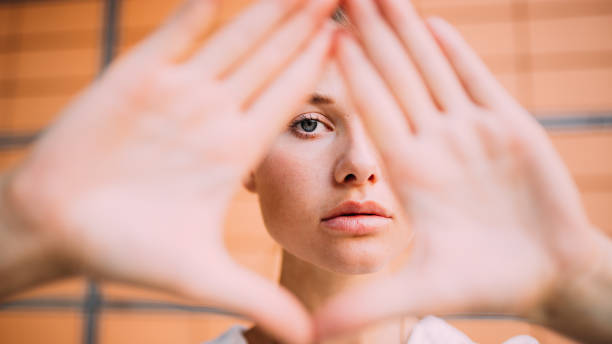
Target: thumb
412	292
273	308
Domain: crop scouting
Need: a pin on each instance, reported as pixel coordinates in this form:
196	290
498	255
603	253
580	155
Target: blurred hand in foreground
133	181
499	227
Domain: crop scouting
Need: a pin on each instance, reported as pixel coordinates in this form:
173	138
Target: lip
357	218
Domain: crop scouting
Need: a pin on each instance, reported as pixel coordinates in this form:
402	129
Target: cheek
292	183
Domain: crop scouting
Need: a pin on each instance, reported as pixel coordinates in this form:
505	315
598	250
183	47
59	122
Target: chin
357	260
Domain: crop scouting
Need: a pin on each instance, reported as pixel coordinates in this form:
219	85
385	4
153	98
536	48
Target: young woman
167	135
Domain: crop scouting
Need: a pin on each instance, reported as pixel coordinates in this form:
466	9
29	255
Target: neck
314	286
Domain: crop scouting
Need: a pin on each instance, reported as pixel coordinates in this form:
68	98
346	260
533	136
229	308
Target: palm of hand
497	219
486	232
151	174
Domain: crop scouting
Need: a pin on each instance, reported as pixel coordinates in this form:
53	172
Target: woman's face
323	191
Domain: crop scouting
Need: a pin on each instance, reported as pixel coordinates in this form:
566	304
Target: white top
429	330
232	336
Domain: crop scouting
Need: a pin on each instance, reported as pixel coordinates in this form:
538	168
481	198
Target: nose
359	163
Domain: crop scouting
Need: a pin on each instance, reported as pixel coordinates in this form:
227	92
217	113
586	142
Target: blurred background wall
555	56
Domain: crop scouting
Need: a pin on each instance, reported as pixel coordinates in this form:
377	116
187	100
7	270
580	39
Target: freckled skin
301	179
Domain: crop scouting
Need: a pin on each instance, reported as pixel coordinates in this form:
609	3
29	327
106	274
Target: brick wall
555	56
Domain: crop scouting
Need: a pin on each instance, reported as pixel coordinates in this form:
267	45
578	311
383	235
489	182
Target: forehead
332	86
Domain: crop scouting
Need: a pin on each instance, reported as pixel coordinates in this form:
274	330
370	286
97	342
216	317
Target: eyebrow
320	99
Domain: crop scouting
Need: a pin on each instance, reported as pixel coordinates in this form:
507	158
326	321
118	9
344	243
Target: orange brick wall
555	56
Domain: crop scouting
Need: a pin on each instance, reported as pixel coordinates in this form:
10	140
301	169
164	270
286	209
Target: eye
310	125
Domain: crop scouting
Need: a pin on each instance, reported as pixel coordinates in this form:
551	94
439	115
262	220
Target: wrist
581	303
28	256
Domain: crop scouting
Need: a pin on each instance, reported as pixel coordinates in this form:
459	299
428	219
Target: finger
425	52
241	291
380	112
472	71
182	29
271	110
234	41
382	116
278	51
392	61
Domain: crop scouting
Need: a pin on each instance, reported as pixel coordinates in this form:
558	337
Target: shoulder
232	336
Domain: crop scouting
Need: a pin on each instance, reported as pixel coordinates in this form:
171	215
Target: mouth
357	218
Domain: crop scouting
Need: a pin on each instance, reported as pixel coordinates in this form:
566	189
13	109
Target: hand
497	219
133	181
